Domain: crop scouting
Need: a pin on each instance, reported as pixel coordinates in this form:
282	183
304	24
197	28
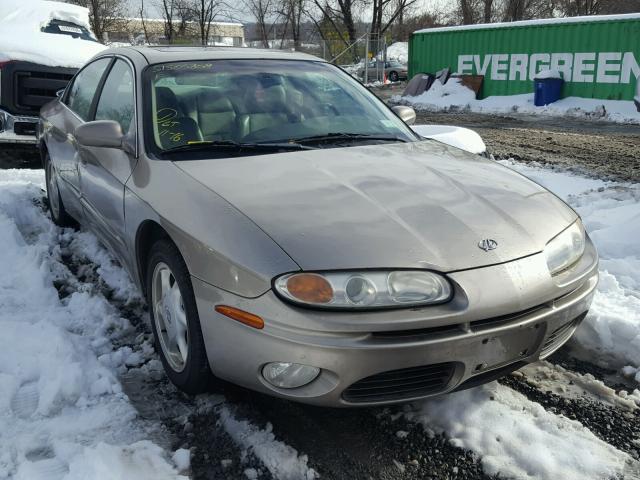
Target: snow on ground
548	377
282	460
453	96
21	37
611	215
63	414
518	438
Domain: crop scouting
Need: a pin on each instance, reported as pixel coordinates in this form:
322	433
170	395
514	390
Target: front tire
175	320
59	214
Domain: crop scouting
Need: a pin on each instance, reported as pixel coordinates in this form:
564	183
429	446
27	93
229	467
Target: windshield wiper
229	144
349	136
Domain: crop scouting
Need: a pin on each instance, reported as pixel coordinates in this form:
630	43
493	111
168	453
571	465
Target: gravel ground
603	150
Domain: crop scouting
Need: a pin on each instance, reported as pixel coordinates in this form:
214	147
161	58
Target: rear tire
175	320
59	214
393	76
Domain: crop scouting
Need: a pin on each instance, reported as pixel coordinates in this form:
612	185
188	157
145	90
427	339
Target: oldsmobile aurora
294	236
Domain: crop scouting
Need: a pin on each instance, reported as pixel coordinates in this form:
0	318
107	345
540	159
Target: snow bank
611	214
282	460
398	51
516	437
459	137
21	37
63	414
453	96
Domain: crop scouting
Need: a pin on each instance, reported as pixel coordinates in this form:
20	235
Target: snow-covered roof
540	22
21	37
161	20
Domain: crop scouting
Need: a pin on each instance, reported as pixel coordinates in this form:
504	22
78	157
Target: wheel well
148	233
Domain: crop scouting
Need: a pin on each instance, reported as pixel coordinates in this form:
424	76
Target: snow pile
282	460
21	37
516	437
453	96
545	74
458	137
398	51
63	414
611	214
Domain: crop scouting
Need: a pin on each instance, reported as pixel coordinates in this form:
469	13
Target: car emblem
488	244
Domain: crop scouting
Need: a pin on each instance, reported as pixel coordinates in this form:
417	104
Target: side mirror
406	114
100	133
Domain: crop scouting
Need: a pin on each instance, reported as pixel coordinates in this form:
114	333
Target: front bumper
398	356
17	129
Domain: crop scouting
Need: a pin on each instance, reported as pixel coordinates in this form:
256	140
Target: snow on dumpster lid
544	74
540	22
21	37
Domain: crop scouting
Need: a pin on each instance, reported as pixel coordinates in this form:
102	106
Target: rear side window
116	100
84	88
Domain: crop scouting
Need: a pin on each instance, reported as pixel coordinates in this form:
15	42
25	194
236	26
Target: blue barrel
546	91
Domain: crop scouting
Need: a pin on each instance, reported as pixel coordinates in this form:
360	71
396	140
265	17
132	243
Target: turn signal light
310	288
241	316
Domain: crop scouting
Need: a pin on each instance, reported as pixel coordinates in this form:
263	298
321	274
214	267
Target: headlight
566	248
366	289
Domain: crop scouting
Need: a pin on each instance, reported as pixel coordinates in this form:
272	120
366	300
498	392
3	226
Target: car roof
168	53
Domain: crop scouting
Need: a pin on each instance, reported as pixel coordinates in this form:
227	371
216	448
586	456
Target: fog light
289	375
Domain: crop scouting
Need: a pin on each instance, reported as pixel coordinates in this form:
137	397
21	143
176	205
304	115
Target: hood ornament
488	244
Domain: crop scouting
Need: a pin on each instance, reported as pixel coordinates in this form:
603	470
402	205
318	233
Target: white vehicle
42	44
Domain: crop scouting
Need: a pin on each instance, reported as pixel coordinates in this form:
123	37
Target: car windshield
256	106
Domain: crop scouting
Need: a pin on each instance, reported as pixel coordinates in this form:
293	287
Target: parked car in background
393	70
293	235
42	43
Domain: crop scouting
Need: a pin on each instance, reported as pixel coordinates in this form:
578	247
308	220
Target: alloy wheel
170	317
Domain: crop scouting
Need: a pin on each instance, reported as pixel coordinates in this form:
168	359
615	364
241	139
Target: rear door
74	110
104	171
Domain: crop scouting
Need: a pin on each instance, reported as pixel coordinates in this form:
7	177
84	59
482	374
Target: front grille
401	384
24	128
27	86
560	335
35	88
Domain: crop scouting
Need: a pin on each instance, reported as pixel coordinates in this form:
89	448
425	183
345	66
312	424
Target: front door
104	171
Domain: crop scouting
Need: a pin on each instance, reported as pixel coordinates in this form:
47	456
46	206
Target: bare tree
204	12
341	16
262	11
142	14
104	15
571	8
169	15
515	10
293	11
385	12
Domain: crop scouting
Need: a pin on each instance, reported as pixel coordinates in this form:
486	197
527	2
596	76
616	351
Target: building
132	30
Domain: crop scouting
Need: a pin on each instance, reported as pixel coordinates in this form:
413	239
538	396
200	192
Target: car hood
410	205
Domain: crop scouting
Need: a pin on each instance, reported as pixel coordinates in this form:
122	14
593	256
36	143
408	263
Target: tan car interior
188	113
